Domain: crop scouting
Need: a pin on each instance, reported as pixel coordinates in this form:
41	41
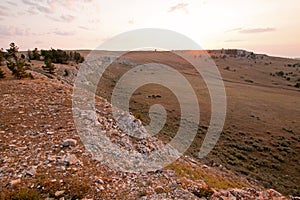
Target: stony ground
42	157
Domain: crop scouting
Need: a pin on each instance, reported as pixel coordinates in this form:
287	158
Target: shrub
249	81
278	157
240	156
203	192
280	73
2	75
66	72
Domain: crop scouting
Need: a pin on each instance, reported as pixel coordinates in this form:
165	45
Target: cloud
50	6
257	30
3	13
67	18
251	30
180	6
233	40
3	7
12	3
31	12
62	18
28	2
13	31
234	29
42	6
69	4
64	33
84	28
44	9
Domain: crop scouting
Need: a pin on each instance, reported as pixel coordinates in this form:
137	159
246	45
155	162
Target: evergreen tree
62	57
29	55
2	75
16	65
35	54
49	66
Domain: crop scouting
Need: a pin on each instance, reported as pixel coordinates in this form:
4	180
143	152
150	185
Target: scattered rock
99	180
247	193
15	182
205	166
31	172
69	142
70	159
59	193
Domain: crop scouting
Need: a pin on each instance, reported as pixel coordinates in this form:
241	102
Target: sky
262	26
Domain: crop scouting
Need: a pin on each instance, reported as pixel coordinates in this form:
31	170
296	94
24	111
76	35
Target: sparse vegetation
184	170
20	194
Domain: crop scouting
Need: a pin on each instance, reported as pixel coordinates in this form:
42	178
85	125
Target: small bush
203	192
66	72
278	157
249	81
139	116
49	66
280	73
240	156
142	193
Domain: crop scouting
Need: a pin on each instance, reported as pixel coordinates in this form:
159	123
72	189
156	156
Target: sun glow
268	26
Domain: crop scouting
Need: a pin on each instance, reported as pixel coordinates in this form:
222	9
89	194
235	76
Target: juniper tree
35	54
17	65
2	75
49	66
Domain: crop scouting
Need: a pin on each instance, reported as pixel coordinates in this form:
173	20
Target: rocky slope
42	156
